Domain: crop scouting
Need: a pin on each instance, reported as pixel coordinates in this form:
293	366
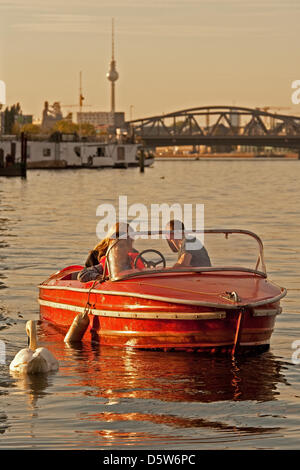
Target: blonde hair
113	233
101	247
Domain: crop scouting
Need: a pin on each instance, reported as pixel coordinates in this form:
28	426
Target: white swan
33	360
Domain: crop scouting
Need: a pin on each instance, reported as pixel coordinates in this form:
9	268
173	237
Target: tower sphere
112	75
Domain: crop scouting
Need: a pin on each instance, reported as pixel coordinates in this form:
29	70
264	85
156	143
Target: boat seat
71	276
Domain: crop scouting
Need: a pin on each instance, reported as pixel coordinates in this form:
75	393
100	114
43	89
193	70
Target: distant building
51	115
23	119
101	118
234	119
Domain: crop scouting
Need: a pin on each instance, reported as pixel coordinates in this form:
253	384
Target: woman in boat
190	250
96	254
101	248
122	257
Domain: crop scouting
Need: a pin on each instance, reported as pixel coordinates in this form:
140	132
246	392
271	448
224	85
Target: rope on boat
237	333
80	322
88	305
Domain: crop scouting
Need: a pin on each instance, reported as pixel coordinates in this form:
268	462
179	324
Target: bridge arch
219	124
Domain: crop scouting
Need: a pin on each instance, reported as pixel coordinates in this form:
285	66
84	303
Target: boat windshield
148	253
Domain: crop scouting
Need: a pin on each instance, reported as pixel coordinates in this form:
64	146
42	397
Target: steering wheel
150	264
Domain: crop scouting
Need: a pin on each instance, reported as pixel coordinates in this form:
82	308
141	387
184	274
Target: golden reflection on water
112	375
110	397
118	382
179	377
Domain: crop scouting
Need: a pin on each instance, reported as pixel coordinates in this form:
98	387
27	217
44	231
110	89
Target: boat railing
187	270
114	276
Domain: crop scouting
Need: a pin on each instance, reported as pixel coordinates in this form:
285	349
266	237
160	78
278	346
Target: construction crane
272	119
80	104
266	108
81	98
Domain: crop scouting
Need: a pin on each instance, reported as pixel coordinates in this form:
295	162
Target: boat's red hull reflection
137	397
175	376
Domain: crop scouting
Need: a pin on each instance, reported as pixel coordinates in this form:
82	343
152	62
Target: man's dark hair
177	227
176	224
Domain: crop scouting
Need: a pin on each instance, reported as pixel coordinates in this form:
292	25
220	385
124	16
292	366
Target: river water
107	398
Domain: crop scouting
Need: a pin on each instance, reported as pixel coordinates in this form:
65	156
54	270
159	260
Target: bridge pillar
142	161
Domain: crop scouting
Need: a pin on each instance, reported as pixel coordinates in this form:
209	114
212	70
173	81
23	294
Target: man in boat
118	248
190	250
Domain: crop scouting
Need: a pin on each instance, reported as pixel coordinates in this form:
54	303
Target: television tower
112	75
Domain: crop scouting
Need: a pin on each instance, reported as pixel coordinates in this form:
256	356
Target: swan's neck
32	337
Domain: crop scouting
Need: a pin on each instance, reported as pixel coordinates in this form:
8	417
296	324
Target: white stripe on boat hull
157	315
140	315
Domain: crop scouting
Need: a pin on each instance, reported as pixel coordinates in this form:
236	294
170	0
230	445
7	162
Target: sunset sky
171	54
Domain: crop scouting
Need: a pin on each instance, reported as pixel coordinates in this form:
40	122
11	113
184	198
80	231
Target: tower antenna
81	97
113	75
112	39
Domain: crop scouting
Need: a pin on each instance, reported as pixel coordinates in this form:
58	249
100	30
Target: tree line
13	127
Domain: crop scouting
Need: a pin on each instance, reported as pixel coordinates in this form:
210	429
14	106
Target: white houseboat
77	154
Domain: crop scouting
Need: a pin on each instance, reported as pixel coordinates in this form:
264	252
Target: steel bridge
219	125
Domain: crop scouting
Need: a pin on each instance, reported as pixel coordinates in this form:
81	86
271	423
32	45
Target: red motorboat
229	306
